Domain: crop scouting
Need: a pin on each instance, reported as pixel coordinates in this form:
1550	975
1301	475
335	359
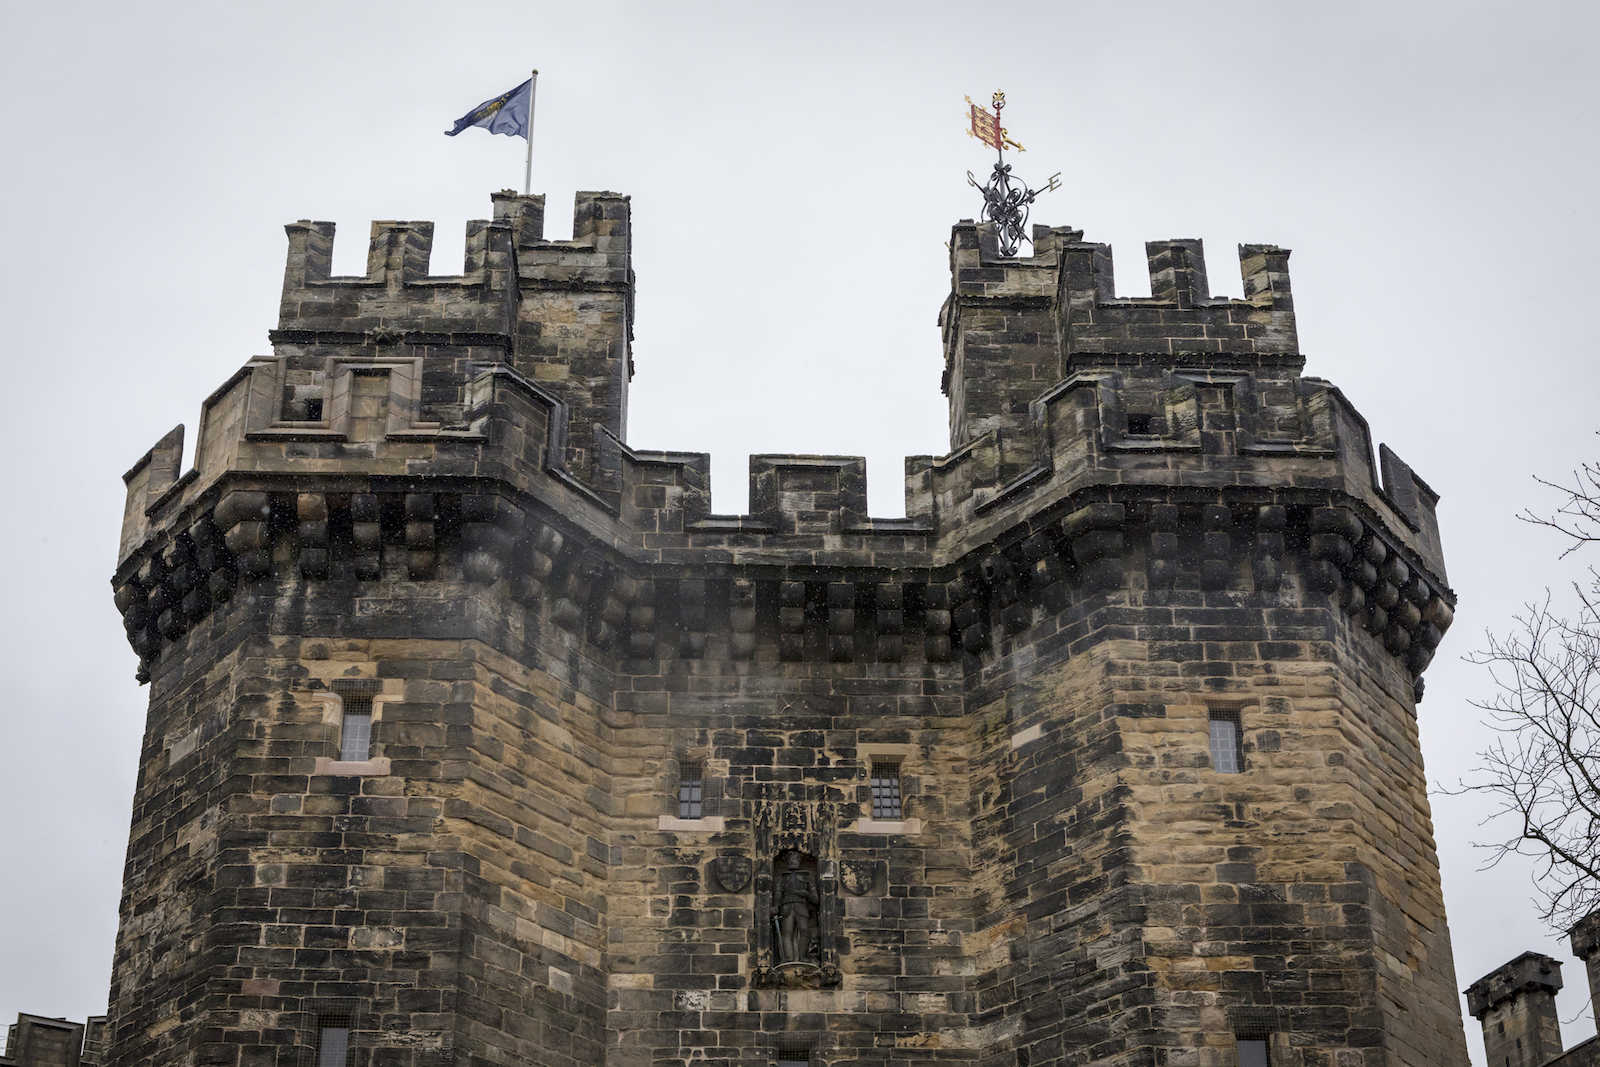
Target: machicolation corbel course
1105	753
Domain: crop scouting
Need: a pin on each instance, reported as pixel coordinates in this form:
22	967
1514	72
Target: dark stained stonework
421	506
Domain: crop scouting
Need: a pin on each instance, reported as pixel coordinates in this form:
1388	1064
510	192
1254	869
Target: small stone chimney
1585	935
37	1041
1516	1003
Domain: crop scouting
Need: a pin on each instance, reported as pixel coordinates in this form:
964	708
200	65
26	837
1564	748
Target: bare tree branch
1542	771
1579	515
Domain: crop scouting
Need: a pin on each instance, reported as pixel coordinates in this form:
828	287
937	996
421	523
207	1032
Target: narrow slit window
886	789
691	789
1252	1053
1227	736
355	727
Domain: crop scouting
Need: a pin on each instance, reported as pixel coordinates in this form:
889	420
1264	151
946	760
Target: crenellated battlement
560	312
1180	316
1014	327
511	245
401	385
1078	278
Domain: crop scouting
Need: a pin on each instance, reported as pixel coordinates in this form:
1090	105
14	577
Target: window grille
691	789
333	1046
335	1024
793	1055
886	789
355	728
1227	736
1253	1026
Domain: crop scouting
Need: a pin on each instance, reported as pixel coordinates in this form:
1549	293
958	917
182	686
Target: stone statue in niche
798	902
796	892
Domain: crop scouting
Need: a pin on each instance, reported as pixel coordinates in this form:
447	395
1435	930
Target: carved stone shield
858	876
731	872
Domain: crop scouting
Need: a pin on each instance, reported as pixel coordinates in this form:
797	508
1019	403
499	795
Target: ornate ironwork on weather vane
1004	204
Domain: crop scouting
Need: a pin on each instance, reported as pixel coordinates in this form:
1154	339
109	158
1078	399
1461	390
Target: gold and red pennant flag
986	127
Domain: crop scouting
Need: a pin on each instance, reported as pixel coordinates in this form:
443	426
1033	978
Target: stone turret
560	312
1516	1004
475	735
1585	939
1014	328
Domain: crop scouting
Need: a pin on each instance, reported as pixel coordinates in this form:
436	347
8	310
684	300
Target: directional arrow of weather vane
1004	205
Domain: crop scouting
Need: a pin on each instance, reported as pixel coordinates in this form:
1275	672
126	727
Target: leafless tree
1543	769
1579	515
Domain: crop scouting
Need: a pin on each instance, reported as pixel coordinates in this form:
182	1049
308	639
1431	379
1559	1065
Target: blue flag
506	113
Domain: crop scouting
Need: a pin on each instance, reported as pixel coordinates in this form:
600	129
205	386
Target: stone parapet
1529	972
1223	474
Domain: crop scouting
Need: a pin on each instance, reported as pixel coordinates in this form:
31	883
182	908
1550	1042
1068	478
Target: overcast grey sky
795	170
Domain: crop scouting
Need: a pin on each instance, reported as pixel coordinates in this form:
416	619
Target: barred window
793	1055
886	789
356	712
691	789
1253	1028
334	1025
355	727
1227	736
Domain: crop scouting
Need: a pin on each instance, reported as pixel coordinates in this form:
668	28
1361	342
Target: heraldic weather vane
1004	204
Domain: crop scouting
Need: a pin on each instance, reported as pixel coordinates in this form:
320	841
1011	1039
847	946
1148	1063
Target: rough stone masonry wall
1156	904
683	948
1148	516
454	892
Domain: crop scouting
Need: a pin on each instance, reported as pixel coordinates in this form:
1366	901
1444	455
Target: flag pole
527	174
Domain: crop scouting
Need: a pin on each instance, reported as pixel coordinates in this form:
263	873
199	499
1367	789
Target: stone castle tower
476	738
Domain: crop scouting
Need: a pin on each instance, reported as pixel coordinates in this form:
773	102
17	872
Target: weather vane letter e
1004	205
